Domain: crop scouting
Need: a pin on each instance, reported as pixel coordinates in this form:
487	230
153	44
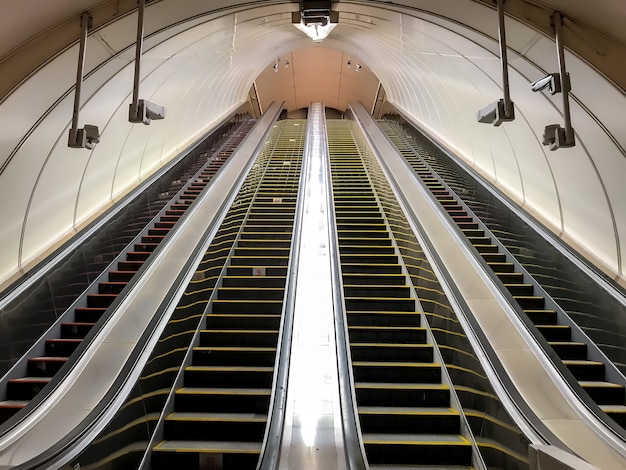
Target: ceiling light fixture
315	19
357	68
349	63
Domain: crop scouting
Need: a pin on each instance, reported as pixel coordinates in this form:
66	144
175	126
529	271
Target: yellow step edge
461	442
395	364
205	450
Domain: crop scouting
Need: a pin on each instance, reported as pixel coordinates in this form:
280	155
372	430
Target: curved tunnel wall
434	69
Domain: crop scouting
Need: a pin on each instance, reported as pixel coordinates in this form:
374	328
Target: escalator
404	404
91	308
47	358
219	415
591	370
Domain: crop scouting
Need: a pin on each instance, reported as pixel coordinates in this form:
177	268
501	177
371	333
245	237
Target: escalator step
249	270
129	265
87	314
234	322
499	268
121	276
542	317
137	255
263	252
530	302
201	455
255	261
381	334
569	349
555	332
234	356
375	269
8	408
44	366
605	393
373	290
390	319
111	287
247	306
371	258
100	300
486	248
252	338
390	352
520	289
586	370
373	279
402	420
145	247
380	303
417	449
229	376
25	388
223	400
346	241
511	277
396	372
250	293
263	282
617	413
366	249
242	427
61	347
74	330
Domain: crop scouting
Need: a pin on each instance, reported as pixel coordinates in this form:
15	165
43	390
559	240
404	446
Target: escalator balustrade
220	414
41	369
590	374
404	408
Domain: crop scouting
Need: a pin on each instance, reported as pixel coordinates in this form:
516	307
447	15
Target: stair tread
31	379
407	410
393	345
401	386
394	364
13	403
563	343
225	447
231	368
414	439
233	348
581	362
613	408
48	358
195	416
223	391
590	384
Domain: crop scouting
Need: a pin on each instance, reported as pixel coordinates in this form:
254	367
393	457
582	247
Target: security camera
145	112
556	137
92	136
495	113
85	138
552	82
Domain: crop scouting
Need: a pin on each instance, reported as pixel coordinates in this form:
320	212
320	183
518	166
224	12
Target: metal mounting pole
138	51
85	23
508	105
502	110
565	81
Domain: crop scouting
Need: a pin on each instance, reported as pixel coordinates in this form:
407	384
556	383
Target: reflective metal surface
313	437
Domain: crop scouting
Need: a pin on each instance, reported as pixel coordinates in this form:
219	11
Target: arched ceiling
438	62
